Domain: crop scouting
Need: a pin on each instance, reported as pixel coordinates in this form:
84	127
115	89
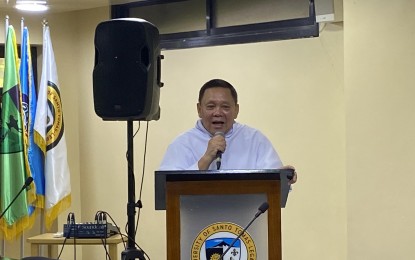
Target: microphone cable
70	220
115	224
127	236
101	218
121	234
140	205
74	239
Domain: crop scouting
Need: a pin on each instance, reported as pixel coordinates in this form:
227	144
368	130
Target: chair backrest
37	258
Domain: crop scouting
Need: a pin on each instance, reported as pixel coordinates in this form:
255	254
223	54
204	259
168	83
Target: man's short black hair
218	83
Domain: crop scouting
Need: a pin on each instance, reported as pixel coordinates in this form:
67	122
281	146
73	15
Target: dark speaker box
126	77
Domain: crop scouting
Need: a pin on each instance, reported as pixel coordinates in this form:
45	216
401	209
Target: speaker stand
131	252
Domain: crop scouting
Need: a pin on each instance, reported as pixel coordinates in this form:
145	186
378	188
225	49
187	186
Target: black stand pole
131	252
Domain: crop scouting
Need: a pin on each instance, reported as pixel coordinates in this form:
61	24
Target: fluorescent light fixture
32	6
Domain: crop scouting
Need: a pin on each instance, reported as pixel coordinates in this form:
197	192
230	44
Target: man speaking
218	141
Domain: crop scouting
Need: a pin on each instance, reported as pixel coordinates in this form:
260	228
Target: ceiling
58	6
323	7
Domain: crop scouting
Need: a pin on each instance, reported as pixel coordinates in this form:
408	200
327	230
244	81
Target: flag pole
21	51
44	24
21	31
42	211
6	25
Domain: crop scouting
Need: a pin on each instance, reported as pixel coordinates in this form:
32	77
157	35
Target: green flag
12	159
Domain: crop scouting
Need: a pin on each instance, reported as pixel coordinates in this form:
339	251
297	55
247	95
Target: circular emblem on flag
55	120
216	238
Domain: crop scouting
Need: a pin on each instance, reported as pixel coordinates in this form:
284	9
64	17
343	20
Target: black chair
37	258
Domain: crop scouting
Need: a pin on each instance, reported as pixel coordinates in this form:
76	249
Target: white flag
50	136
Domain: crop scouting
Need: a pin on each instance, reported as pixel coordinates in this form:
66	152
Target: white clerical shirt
246	148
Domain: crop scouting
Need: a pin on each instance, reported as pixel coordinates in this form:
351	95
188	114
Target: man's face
218	110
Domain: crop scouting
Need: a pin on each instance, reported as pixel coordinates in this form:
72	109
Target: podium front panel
245	195
209	223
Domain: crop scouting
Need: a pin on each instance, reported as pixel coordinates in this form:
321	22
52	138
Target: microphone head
264	207
28	181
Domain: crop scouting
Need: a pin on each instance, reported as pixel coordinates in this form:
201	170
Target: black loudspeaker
126	77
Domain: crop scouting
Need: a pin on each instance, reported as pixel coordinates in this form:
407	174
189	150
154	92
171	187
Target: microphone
25	185
218	159
28	181
219	153
264	207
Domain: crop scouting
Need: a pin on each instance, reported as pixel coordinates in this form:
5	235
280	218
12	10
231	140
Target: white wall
379	97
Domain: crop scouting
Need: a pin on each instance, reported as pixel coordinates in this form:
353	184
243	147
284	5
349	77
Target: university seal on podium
215	239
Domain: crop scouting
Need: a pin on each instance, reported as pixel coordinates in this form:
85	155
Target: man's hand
215	144
294	179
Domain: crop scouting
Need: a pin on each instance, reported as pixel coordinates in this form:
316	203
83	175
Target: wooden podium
205	210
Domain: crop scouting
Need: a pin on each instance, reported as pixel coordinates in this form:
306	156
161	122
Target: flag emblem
215	239
55	122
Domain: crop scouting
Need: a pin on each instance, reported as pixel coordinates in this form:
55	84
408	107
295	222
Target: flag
12	158
34	154
50	136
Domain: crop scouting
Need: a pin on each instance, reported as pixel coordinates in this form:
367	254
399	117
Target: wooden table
48	239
